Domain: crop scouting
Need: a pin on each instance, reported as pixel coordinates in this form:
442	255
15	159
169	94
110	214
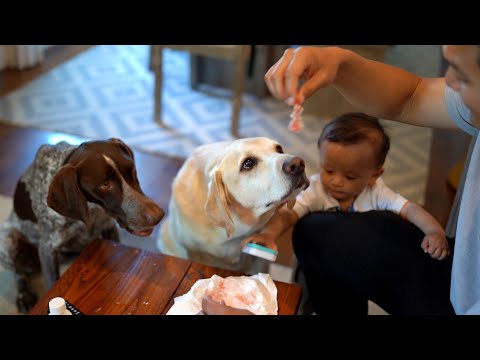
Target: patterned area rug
108	92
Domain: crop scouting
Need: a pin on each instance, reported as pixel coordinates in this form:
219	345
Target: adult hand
211	307
318	66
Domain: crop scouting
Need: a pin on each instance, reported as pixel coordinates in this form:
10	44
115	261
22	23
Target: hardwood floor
19	145
11	79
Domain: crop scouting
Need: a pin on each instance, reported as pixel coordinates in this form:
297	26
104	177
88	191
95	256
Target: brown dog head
104	173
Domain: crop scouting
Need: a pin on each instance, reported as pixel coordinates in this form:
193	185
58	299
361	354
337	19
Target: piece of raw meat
235	293
255	293
296	124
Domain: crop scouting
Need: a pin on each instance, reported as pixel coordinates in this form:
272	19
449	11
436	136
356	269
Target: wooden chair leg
158	98
195	62
237	91
156	65
239	79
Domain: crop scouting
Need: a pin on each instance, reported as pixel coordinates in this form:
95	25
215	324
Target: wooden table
109	278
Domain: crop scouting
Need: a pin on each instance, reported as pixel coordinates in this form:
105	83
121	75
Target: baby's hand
436	245
261	239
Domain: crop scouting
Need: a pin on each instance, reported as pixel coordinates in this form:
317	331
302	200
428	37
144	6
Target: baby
352	150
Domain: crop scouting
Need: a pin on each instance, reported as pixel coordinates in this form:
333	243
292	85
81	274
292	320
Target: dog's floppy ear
217	205
124	146
65	196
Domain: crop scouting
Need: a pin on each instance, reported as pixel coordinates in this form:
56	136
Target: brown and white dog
225	192
67	197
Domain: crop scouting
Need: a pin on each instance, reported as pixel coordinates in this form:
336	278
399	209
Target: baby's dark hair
354	128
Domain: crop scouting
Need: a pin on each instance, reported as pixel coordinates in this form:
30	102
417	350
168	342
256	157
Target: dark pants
350	258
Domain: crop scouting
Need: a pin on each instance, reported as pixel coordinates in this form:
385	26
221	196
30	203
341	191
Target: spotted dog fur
34	233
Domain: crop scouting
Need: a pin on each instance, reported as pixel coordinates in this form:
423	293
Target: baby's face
346	170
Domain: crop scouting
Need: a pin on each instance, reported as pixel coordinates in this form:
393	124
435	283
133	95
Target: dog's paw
25	301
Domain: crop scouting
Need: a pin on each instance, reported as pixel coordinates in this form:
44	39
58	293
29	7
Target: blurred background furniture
218	72
238	55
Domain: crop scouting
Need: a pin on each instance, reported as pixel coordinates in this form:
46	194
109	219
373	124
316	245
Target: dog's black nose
294	166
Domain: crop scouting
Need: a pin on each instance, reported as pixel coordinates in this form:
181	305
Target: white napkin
256	293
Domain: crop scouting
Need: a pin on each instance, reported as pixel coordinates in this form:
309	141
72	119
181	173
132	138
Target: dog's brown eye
279	149
106	184
248	164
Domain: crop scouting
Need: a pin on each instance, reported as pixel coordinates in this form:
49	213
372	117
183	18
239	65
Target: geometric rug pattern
107	91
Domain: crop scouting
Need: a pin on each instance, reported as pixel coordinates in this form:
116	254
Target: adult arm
372	87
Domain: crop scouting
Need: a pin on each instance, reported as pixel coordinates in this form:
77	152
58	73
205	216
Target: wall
21	56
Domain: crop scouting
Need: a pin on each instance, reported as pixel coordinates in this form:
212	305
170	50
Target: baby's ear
376	175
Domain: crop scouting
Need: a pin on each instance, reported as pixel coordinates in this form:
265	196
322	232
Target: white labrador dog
223	193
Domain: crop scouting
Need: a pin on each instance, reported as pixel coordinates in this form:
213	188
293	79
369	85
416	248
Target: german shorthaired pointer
68	196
